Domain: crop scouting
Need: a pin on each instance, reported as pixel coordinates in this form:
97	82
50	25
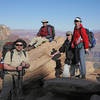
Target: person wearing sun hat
45	34
14	61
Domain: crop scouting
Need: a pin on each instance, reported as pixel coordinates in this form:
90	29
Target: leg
7	86
72	70
34	40
82	62
40	41
66	70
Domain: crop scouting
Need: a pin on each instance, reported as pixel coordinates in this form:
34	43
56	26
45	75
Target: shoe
83	77
78	76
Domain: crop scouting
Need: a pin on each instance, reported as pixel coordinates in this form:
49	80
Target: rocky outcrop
41	62
43	68
95	97
4	32
73	86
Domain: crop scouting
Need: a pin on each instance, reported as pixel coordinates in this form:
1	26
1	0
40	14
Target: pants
82	61
36	41
66	70
7	86
74	70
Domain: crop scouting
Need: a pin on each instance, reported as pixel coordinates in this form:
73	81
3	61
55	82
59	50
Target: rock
95	97
69	86
41	62
50	96
4	32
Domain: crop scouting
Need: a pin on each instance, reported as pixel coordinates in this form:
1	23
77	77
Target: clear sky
27	14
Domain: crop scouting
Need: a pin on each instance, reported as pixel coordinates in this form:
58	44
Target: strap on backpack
80	31
11	55
12	52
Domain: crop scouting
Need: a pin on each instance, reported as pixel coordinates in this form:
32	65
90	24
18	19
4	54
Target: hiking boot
83	77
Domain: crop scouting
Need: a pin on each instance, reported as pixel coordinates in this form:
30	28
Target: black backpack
49	27
92	40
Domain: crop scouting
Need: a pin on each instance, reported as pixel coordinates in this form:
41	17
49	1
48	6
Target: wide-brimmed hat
44	21
77	19
22	41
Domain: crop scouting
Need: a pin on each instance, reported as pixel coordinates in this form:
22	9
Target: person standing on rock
45	34
14	62
66	48
81	44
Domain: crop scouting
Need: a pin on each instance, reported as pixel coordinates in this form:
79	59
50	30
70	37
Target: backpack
51	28
8	46
92	40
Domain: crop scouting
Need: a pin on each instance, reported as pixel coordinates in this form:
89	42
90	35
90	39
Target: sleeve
7	59
85	38
62	48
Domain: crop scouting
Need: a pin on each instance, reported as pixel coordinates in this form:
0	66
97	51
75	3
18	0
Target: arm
12	68
62	48
8	67
85	38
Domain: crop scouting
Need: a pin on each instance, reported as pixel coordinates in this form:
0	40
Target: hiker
14	61
45	34
66	47
81	44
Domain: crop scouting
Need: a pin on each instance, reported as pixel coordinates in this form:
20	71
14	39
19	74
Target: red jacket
43	31
77	37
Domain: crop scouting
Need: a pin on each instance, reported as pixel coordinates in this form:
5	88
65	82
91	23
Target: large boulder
73	87
42	65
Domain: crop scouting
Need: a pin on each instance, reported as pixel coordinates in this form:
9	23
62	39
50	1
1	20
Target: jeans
82	62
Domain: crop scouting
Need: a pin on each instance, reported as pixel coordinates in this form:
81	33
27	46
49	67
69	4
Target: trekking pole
20	82
13	92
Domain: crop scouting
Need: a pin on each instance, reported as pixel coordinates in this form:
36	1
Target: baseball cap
77	19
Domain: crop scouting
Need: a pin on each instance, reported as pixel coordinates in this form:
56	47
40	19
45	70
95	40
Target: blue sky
27	14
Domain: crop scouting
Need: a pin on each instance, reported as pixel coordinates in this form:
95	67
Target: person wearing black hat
14	61
45	34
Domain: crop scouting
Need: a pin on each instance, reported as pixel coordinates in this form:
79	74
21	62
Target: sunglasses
19	44
67	35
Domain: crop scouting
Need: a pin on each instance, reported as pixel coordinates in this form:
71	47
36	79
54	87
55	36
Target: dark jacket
66	47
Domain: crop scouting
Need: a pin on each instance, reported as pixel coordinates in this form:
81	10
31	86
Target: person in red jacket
81	44
45	34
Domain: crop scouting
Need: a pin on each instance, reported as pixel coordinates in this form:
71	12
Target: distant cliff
5	31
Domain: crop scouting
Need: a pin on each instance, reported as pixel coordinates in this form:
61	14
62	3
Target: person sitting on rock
45	34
